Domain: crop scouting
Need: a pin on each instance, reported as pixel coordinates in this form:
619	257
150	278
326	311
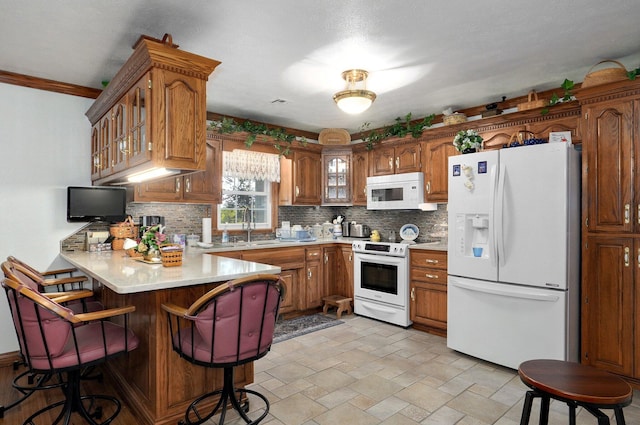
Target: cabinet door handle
297	191
309	274
428	187
638	257
397	162
326	258
431	276
187	185
430	261
177	184
413	294
638	214
626	256
350	257
627	212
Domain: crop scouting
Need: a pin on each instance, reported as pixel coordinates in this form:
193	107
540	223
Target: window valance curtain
251	165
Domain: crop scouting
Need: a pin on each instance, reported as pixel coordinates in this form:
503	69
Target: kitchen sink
258	243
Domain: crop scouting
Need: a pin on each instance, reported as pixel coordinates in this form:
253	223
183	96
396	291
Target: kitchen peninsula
156	383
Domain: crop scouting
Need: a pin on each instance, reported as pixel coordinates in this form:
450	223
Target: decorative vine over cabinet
152	114
611	228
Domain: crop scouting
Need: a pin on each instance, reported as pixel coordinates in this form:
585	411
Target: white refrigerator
514	254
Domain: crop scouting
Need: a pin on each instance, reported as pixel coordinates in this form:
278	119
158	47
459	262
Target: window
245	201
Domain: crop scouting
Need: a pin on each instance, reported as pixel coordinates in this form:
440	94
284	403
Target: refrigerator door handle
499	213
537	296
492	219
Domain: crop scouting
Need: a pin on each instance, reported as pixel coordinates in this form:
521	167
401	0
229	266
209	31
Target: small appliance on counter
359	230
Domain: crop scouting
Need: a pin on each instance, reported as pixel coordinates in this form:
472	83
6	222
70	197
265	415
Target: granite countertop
123	275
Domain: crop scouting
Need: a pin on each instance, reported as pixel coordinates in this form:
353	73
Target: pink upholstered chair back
234	327
51	339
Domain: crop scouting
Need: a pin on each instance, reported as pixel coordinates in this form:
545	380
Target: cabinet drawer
314	254
423	274
430	259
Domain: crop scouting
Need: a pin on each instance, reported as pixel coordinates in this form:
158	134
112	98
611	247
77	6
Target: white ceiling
423	56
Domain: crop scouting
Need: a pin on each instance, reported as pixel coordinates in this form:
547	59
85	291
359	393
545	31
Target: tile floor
365	372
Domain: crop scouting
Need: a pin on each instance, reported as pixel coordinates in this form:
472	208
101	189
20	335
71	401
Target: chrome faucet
250	224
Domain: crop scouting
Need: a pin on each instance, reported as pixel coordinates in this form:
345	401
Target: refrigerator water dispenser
472	231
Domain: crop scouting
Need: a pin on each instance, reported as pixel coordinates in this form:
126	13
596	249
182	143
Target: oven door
381	278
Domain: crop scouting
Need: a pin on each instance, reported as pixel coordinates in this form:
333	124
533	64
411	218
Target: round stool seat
575	384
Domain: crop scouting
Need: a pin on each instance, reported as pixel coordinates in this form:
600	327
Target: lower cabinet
610	304
313	284
344	285
428	277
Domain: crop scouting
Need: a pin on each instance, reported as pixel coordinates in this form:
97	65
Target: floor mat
302	325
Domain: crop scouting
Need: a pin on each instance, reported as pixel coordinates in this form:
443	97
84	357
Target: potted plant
152	238
467	141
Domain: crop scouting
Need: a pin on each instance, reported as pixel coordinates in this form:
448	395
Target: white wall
44	147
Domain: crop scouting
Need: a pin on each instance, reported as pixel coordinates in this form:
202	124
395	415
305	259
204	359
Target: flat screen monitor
96	203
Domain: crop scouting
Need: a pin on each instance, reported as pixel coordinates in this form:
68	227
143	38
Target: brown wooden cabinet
359	173
301	178
331	273
336	177
388	159
344	285
611	228
199	187
155	108
292	263
435	163
313	290
428	287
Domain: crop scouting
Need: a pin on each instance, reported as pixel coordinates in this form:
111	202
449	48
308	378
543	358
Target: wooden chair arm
176	310
63	297
63	280
59	271
102	314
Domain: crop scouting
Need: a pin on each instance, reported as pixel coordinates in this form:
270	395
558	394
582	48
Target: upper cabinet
435	162
301	178
336	177
359	173
199	187
404	158
152	114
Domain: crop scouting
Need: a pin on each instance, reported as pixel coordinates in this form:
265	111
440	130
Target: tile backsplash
187	219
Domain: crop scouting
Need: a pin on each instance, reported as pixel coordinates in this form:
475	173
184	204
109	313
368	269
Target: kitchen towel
206	230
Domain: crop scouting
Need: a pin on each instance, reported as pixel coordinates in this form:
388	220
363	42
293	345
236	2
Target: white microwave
395	191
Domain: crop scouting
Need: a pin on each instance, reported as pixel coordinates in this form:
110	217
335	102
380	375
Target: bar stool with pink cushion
54	340
229	326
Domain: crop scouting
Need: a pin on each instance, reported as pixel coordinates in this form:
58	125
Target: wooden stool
342	303
576	385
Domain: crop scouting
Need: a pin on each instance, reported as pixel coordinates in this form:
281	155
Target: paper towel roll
206	230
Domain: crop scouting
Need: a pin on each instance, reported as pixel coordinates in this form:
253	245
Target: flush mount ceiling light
355	100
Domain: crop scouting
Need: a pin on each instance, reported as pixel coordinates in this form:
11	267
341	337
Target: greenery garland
283	139
400	128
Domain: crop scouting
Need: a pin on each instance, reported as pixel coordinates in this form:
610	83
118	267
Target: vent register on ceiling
244	164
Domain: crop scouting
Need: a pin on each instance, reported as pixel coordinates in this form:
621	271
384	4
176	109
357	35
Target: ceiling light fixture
355	100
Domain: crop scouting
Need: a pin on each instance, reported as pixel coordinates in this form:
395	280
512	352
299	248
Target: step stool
342	304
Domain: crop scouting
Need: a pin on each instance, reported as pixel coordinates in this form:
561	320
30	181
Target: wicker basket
171	255
123	230
455	118
131	252
607	75
532	102
117	244
334	136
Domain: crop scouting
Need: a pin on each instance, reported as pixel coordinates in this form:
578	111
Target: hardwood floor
42	398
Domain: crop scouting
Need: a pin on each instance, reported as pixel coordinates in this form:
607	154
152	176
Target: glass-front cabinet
336	178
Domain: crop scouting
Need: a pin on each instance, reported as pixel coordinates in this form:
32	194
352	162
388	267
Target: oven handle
380	258
494	291
377	307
